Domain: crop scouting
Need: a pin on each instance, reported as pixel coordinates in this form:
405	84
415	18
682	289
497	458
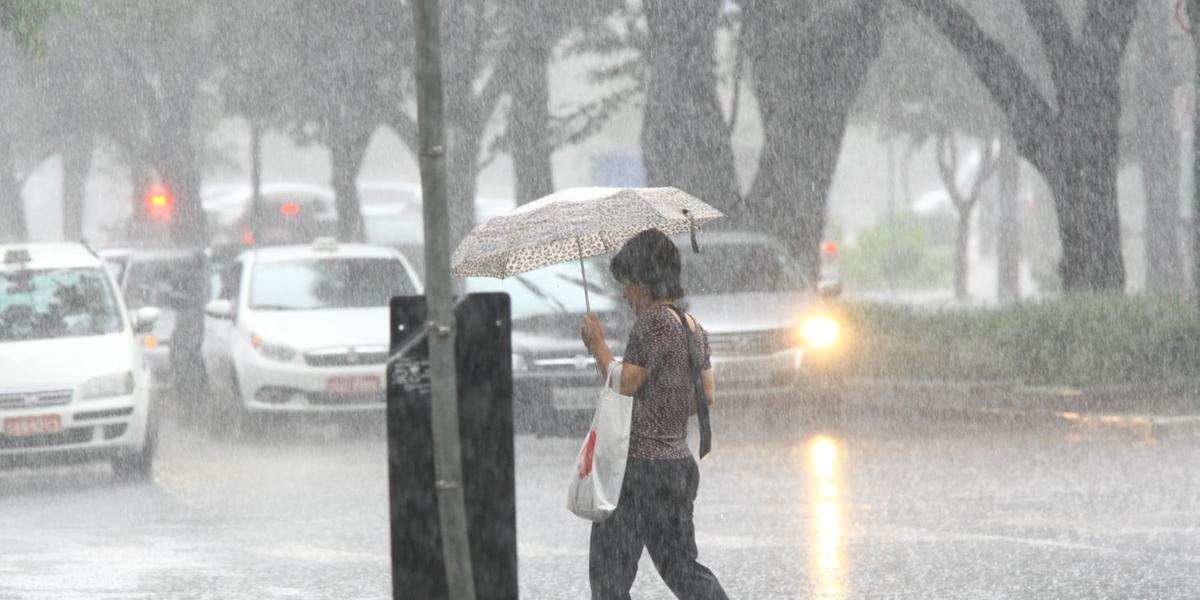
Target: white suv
72	379
302	329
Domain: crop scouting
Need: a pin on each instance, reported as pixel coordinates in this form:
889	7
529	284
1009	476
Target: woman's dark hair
651	260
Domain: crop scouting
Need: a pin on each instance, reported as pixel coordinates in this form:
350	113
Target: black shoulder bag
697	383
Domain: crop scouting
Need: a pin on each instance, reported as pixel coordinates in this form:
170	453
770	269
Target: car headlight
520	364
107	386
272	351
819	332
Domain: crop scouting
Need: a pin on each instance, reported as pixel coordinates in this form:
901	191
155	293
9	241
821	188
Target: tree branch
1054	31
483	105
1107	26
406	129
1011	88
947	162
987	167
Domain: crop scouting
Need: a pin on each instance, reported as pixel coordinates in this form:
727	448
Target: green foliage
25	19
1078	340
900	253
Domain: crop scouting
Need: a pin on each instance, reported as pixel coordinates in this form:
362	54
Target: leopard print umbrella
573	224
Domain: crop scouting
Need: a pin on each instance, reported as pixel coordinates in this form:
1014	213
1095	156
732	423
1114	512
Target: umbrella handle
583	272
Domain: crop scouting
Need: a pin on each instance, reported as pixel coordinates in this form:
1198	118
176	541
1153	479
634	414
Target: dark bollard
484	357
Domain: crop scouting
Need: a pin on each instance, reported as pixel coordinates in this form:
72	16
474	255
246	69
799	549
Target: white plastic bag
600	468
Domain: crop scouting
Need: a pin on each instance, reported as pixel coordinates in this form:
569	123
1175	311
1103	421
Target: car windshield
555	290
329	283
149	281
58	303
740	268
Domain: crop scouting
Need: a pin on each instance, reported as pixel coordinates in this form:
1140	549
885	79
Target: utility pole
255	174
1193	20
447	451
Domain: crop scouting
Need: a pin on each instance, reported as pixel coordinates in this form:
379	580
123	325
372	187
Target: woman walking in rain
661	477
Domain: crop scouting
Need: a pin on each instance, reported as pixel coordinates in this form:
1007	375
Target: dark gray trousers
655	513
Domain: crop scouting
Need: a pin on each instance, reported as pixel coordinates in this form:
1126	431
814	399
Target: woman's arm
632	376
710	385
710	389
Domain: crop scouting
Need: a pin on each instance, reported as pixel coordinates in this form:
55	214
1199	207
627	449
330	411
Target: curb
1113	409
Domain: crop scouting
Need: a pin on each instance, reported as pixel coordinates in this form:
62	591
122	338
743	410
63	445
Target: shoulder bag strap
697	383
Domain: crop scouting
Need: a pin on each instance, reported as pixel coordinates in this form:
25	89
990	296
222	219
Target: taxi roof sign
325	244
17	256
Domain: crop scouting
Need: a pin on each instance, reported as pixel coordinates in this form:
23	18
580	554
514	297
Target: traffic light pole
447	452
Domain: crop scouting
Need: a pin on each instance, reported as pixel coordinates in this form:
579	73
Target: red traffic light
829	248
159	203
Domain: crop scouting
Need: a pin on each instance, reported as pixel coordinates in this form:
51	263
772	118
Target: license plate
353	385
574	398
26	426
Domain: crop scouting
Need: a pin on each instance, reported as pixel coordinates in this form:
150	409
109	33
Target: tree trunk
1008	226
807	72
1079	156
1083	179
1160	180
1156	148
529	119
685	141
1193	13
180	161
76	164
12	207
347	147
962	241
1073	141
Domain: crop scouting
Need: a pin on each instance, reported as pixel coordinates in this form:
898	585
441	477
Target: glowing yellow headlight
819	332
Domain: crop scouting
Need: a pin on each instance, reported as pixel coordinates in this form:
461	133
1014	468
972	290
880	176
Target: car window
149	281
315	284
57	303
555	290
741	268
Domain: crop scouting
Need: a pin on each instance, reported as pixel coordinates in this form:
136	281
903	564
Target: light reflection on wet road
865	512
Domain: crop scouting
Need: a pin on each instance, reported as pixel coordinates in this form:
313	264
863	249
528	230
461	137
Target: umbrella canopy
573	224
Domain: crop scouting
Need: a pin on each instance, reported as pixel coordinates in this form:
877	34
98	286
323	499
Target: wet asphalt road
872	510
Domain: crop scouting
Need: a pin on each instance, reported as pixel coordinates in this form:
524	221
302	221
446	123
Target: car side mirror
144	319
829	289
219	309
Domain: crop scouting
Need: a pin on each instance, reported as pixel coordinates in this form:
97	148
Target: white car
72	379
302	329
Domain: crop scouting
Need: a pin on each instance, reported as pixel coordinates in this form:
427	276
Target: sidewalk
1152	410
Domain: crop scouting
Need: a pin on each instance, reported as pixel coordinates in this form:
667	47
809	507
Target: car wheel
138	467
229	416
135	467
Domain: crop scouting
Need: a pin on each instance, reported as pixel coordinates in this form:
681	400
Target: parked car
554	377
73	383
287	213
302	329
773	337
151	277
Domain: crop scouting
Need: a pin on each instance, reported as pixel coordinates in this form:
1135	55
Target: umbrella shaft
587	301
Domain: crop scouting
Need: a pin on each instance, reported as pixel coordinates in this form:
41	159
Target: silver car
772	333
770	329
